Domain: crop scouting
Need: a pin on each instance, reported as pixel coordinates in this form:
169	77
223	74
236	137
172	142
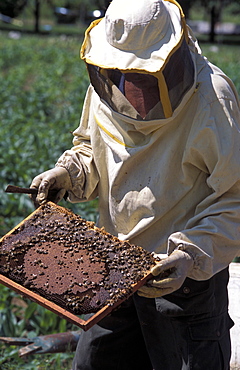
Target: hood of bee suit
139	36
135	35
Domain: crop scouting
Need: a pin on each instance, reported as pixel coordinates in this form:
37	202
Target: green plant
41	95
20	317
225	57
9	360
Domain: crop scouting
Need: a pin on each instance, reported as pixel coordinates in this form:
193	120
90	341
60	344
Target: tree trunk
213	23
37	15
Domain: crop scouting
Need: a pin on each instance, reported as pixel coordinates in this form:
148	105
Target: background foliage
42	88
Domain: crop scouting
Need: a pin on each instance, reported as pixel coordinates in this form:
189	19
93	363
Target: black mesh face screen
115	76
102	84
96	78
179	74
104	81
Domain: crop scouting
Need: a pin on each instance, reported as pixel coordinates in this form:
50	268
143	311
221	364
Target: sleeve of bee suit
79	160
212	235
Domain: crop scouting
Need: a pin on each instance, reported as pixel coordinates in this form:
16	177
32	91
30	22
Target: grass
226	57
43	84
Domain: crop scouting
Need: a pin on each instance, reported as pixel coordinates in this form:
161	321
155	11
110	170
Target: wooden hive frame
21	271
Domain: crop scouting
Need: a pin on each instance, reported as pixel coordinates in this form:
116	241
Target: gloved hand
52	185
179	264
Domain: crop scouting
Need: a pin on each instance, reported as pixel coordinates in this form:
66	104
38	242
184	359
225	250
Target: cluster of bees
69	261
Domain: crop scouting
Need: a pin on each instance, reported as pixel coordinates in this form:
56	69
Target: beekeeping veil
140	37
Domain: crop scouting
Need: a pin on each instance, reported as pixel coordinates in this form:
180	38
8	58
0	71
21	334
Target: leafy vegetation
43	84
226	57
42	91
22	318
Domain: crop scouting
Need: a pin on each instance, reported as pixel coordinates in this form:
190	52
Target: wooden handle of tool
18	189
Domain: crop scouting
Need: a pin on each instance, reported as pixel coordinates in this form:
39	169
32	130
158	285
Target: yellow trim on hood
164	96
83	47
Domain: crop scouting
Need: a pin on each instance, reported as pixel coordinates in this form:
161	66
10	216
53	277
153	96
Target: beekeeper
159	144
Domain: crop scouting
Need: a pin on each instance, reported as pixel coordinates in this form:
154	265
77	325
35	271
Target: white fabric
134	34
169	182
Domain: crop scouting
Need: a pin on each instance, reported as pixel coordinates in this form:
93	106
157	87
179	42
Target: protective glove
52	185
170	274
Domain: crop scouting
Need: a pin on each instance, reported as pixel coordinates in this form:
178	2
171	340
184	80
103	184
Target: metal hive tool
69	266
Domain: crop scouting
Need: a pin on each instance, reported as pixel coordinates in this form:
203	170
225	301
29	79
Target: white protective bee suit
162	181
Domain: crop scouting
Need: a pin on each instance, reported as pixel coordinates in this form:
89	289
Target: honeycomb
69	261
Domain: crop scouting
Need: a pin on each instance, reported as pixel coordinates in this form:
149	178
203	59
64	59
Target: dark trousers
186	330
